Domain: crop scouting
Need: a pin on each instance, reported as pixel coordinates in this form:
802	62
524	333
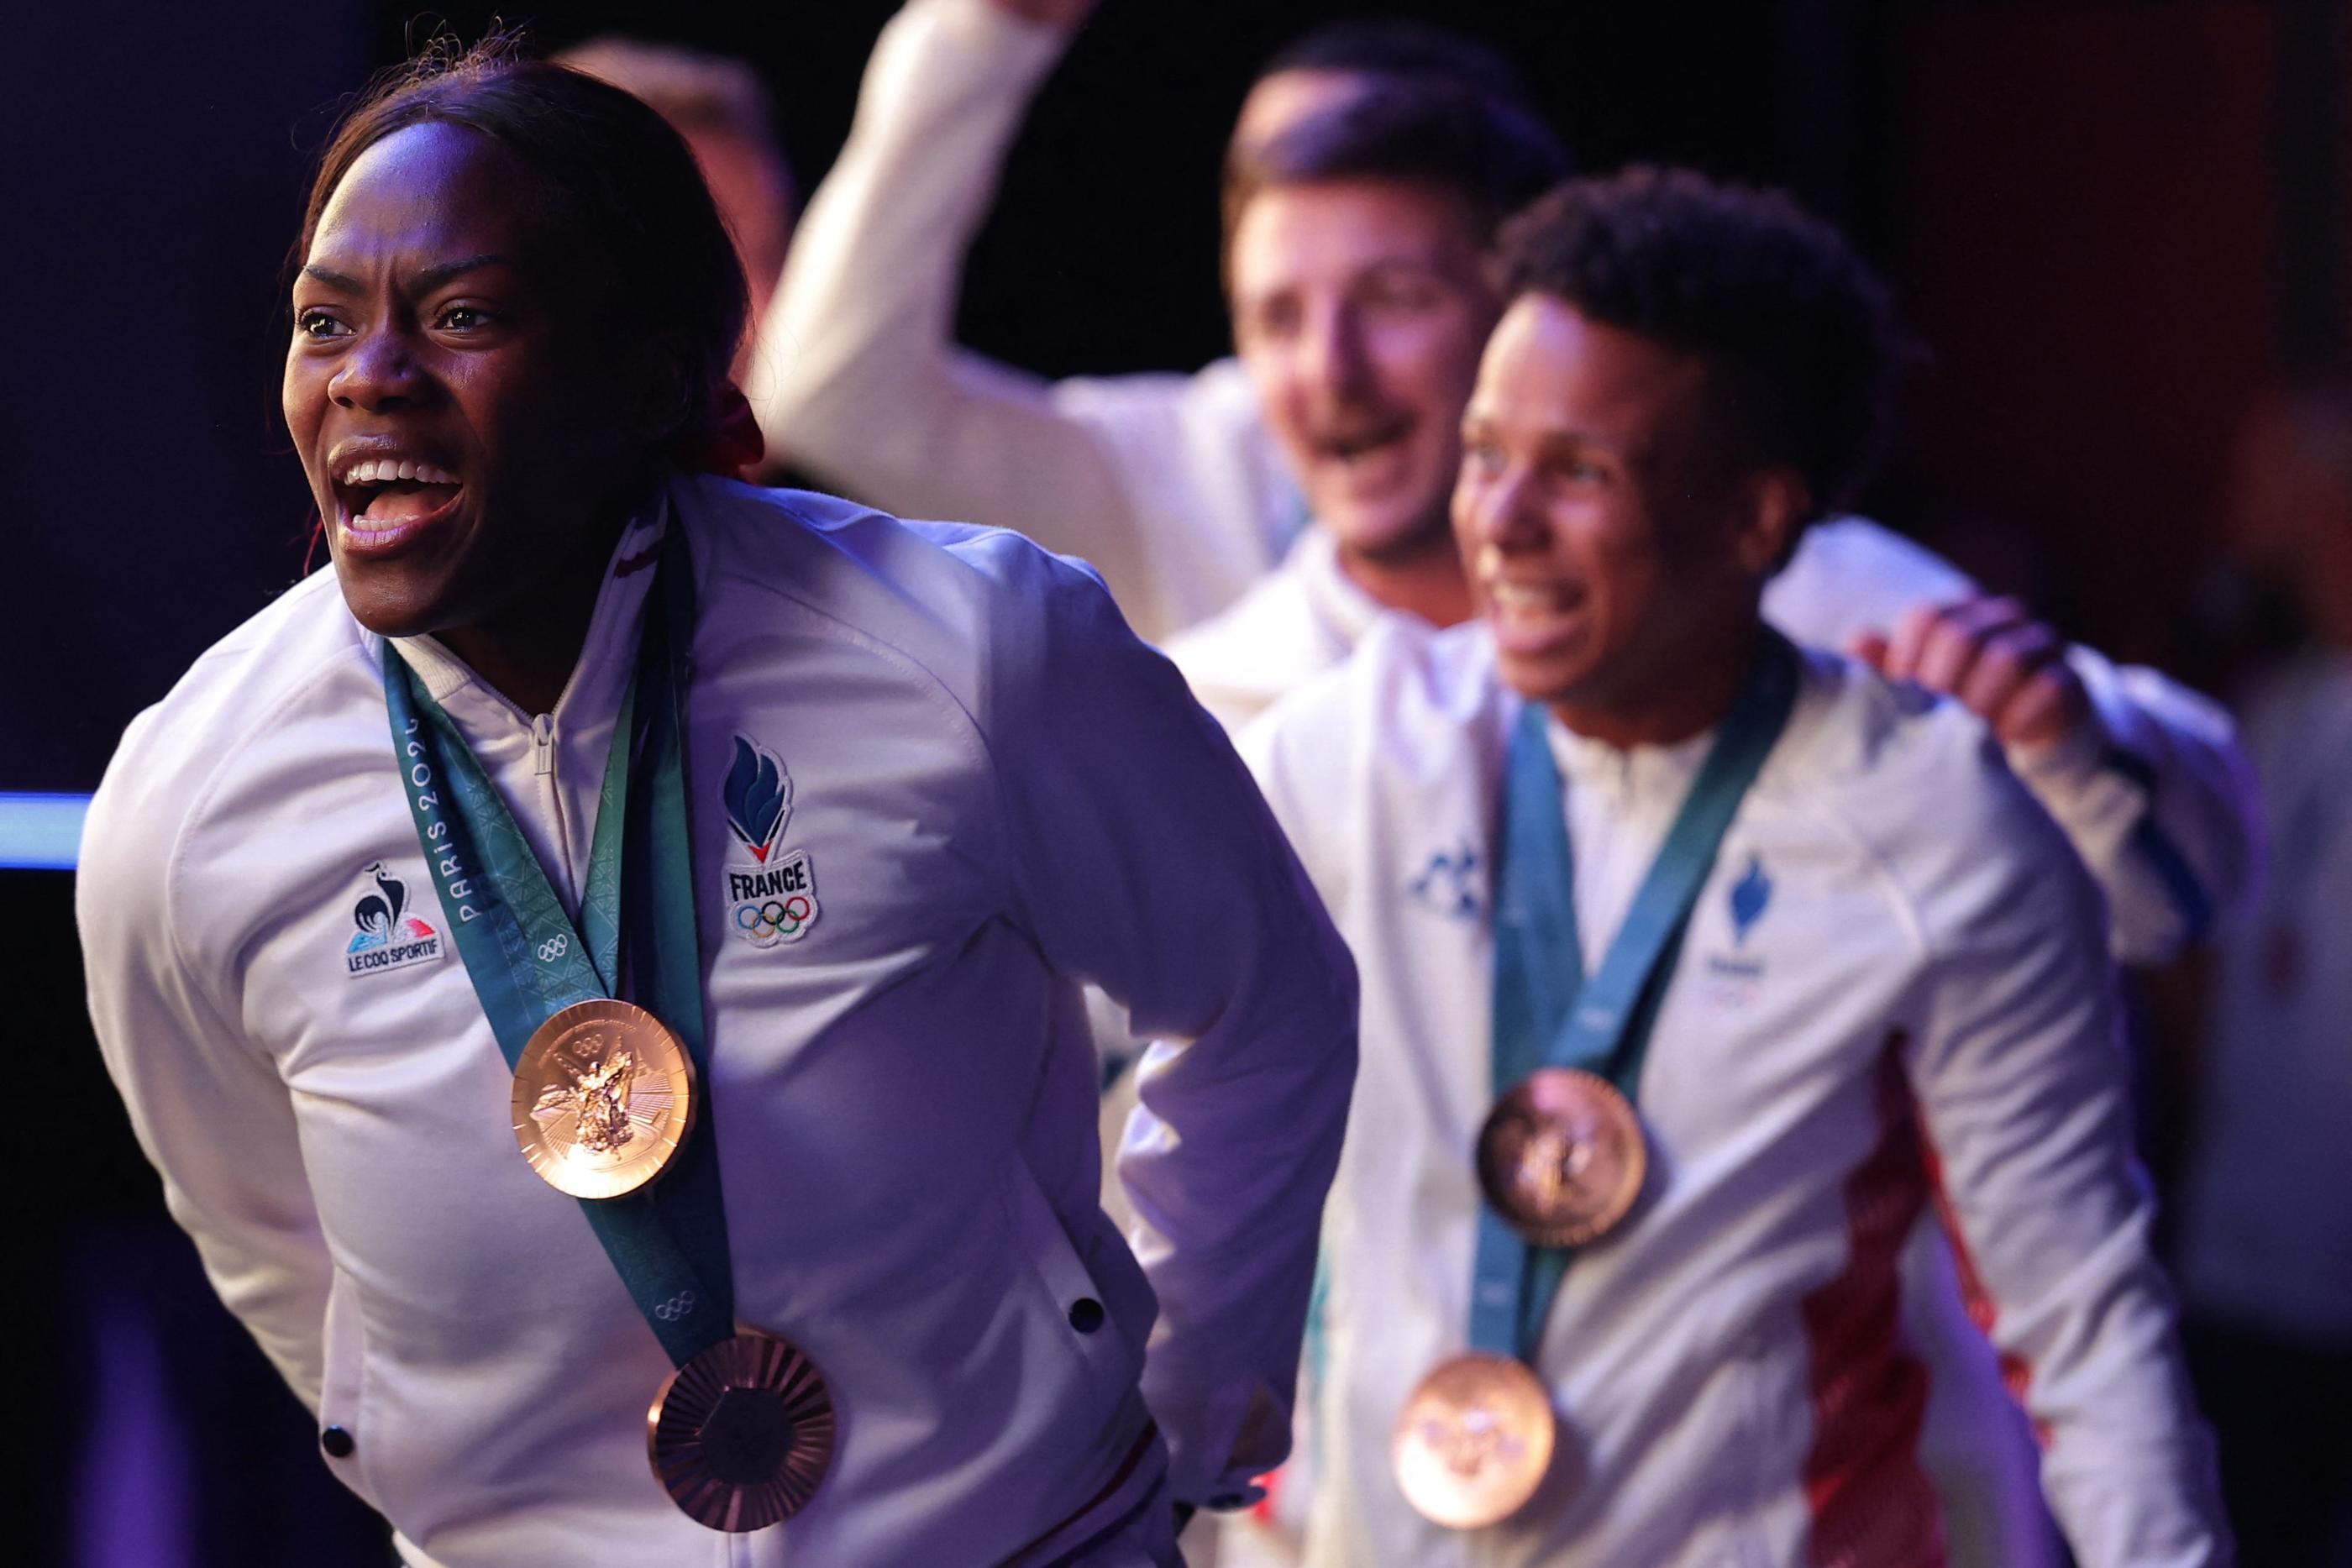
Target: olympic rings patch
773	919
774	903
554	947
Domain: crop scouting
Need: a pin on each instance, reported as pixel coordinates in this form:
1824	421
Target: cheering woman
598	972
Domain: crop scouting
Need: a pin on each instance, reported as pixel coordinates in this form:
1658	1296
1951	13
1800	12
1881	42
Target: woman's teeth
385	470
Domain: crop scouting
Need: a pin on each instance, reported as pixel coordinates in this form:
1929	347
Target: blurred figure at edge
2264	1243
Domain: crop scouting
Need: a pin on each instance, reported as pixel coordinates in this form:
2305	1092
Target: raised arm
1149	865
208	1108
2020	1082
1162	482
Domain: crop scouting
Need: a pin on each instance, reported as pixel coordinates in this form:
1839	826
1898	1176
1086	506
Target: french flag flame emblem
759	796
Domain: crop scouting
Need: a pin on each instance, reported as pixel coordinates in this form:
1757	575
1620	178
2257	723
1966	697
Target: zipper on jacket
542	765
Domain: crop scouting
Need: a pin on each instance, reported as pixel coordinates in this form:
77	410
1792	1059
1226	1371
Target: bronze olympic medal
741	1435
602	1097
1474	1441
1562	1158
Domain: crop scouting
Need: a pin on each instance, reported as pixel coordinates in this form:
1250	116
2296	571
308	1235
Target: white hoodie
999	793
1910	1002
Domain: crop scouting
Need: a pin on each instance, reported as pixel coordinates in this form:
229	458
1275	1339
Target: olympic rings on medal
775	918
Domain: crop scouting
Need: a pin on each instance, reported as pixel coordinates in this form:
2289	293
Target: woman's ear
1774	503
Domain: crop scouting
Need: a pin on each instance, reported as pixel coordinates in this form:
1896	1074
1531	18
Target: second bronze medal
1474	1442
604	1097
1562	1158
741	1435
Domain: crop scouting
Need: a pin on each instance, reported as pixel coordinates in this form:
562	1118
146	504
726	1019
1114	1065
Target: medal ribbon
528	960
1545	1012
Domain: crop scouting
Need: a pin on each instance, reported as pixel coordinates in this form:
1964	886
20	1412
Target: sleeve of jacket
209	1109
1149	864
856	375
2021	1084
2159	800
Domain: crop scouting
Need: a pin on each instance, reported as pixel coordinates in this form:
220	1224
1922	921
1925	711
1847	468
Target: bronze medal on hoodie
741	1435
1473	1441
603	1096
1562	1158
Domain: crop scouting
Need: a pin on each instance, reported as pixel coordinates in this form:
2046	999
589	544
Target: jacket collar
606	657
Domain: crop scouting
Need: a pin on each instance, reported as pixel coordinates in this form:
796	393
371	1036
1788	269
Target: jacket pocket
344	1390
1101	1343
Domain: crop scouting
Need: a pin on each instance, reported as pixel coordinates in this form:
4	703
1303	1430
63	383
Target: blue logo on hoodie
758	796
1749	895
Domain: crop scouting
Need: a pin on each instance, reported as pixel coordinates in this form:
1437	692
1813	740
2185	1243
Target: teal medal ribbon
528	960
1546	1013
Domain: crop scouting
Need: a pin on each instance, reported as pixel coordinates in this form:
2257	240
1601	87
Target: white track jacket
1171	486
998	793
1917	1009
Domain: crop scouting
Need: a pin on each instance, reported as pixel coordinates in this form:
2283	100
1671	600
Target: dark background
2108	223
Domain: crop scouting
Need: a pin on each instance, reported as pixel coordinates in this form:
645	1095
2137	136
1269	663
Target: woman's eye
463	318
318	324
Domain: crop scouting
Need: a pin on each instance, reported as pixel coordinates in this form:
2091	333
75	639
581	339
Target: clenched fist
1994	656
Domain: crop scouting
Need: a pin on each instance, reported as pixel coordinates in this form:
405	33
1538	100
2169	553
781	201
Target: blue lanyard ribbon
1545	1012
528	960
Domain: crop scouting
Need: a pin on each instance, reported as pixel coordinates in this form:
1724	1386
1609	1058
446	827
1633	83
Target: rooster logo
383	915
758	797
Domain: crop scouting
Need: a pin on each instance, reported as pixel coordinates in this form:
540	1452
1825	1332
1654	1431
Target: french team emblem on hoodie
389	937
771	899
1734	979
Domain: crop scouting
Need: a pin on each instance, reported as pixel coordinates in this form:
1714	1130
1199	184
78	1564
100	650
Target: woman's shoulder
300	640
954	596
267	690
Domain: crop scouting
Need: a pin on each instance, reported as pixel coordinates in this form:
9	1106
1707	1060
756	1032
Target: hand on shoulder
1994	657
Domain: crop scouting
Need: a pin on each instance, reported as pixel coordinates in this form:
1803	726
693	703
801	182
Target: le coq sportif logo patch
388	936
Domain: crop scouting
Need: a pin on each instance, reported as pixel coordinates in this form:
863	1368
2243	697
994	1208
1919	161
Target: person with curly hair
1696	967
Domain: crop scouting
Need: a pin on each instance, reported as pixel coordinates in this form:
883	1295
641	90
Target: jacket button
337	1442
1085	1314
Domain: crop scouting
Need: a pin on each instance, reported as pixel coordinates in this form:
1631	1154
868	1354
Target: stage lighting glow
42	832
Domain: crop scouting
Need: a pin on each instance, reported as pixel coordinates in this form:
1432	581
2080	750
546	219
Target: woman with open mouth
597	970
